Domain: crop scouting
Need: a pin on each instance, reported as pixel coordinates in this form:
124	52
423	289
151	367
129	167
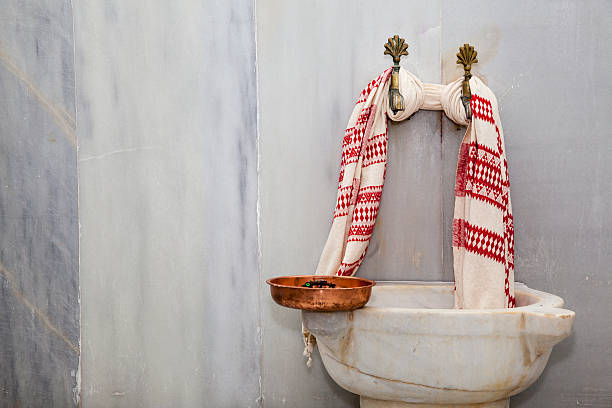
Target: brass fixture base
396	47
467	56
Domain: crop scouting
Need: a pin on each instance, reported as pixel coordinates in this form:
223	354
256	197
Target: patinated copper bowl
349	293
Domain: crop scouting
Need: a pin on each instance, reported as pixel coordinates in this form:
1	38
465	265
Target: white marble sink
409	348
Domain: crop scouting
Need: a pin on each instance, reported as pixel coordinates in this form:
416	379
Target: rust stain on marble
63	120
10	278
346	343
517	389
524	346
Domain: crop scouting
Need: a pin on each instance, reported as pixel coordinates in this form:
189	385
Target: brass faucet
467	56
396	47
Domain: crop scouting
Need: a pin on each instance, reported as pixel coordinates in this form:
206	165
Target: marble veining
39	292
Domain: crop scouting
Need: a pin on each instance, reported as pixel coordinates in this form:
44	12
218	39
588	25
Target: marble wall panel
167	171
39	286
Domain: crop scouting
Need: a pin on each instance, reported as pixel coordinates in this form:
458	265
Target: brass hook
396	47
466	57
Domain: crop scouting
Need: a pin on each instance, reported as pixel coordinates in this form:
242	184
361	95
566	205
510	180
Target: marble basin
409	348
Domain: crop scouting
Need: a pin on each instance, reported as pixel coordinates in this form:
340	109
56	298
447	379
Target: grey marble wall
39	286
203	171
548	62
166	103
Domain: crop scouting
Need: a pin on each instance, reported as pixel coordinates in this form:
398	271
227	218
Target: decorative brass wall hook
466	57
396	47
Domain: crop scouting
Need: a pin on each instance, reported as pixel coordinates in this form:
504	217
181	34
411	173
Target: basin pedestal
372	403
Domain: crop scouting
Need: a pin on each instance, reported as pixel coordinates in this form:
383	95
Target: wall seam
260	398
77	397
442	243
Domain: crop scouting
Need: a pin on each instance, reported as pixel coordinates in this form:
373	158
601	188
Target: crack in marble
411	383
113	152
65	122
10	278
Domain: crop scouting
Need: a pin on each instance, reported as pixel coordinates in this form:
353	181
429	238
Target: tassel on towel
309	342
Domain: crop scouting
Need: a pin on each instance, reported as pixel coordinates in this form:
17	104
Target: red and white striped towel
483	234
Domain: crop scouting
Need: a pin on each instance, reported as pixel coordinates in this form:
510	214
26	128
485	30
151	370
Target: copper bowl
350	293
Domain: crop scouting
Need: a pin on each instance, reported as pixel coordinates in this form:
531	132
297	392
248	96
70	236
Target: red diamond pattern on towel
364	214
353	138
350	151
481	109
376	150
479	174
478	240
343	201
488	175
485	243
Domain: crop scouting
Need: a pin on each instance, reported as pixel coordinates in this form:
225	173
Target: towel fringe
309	342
